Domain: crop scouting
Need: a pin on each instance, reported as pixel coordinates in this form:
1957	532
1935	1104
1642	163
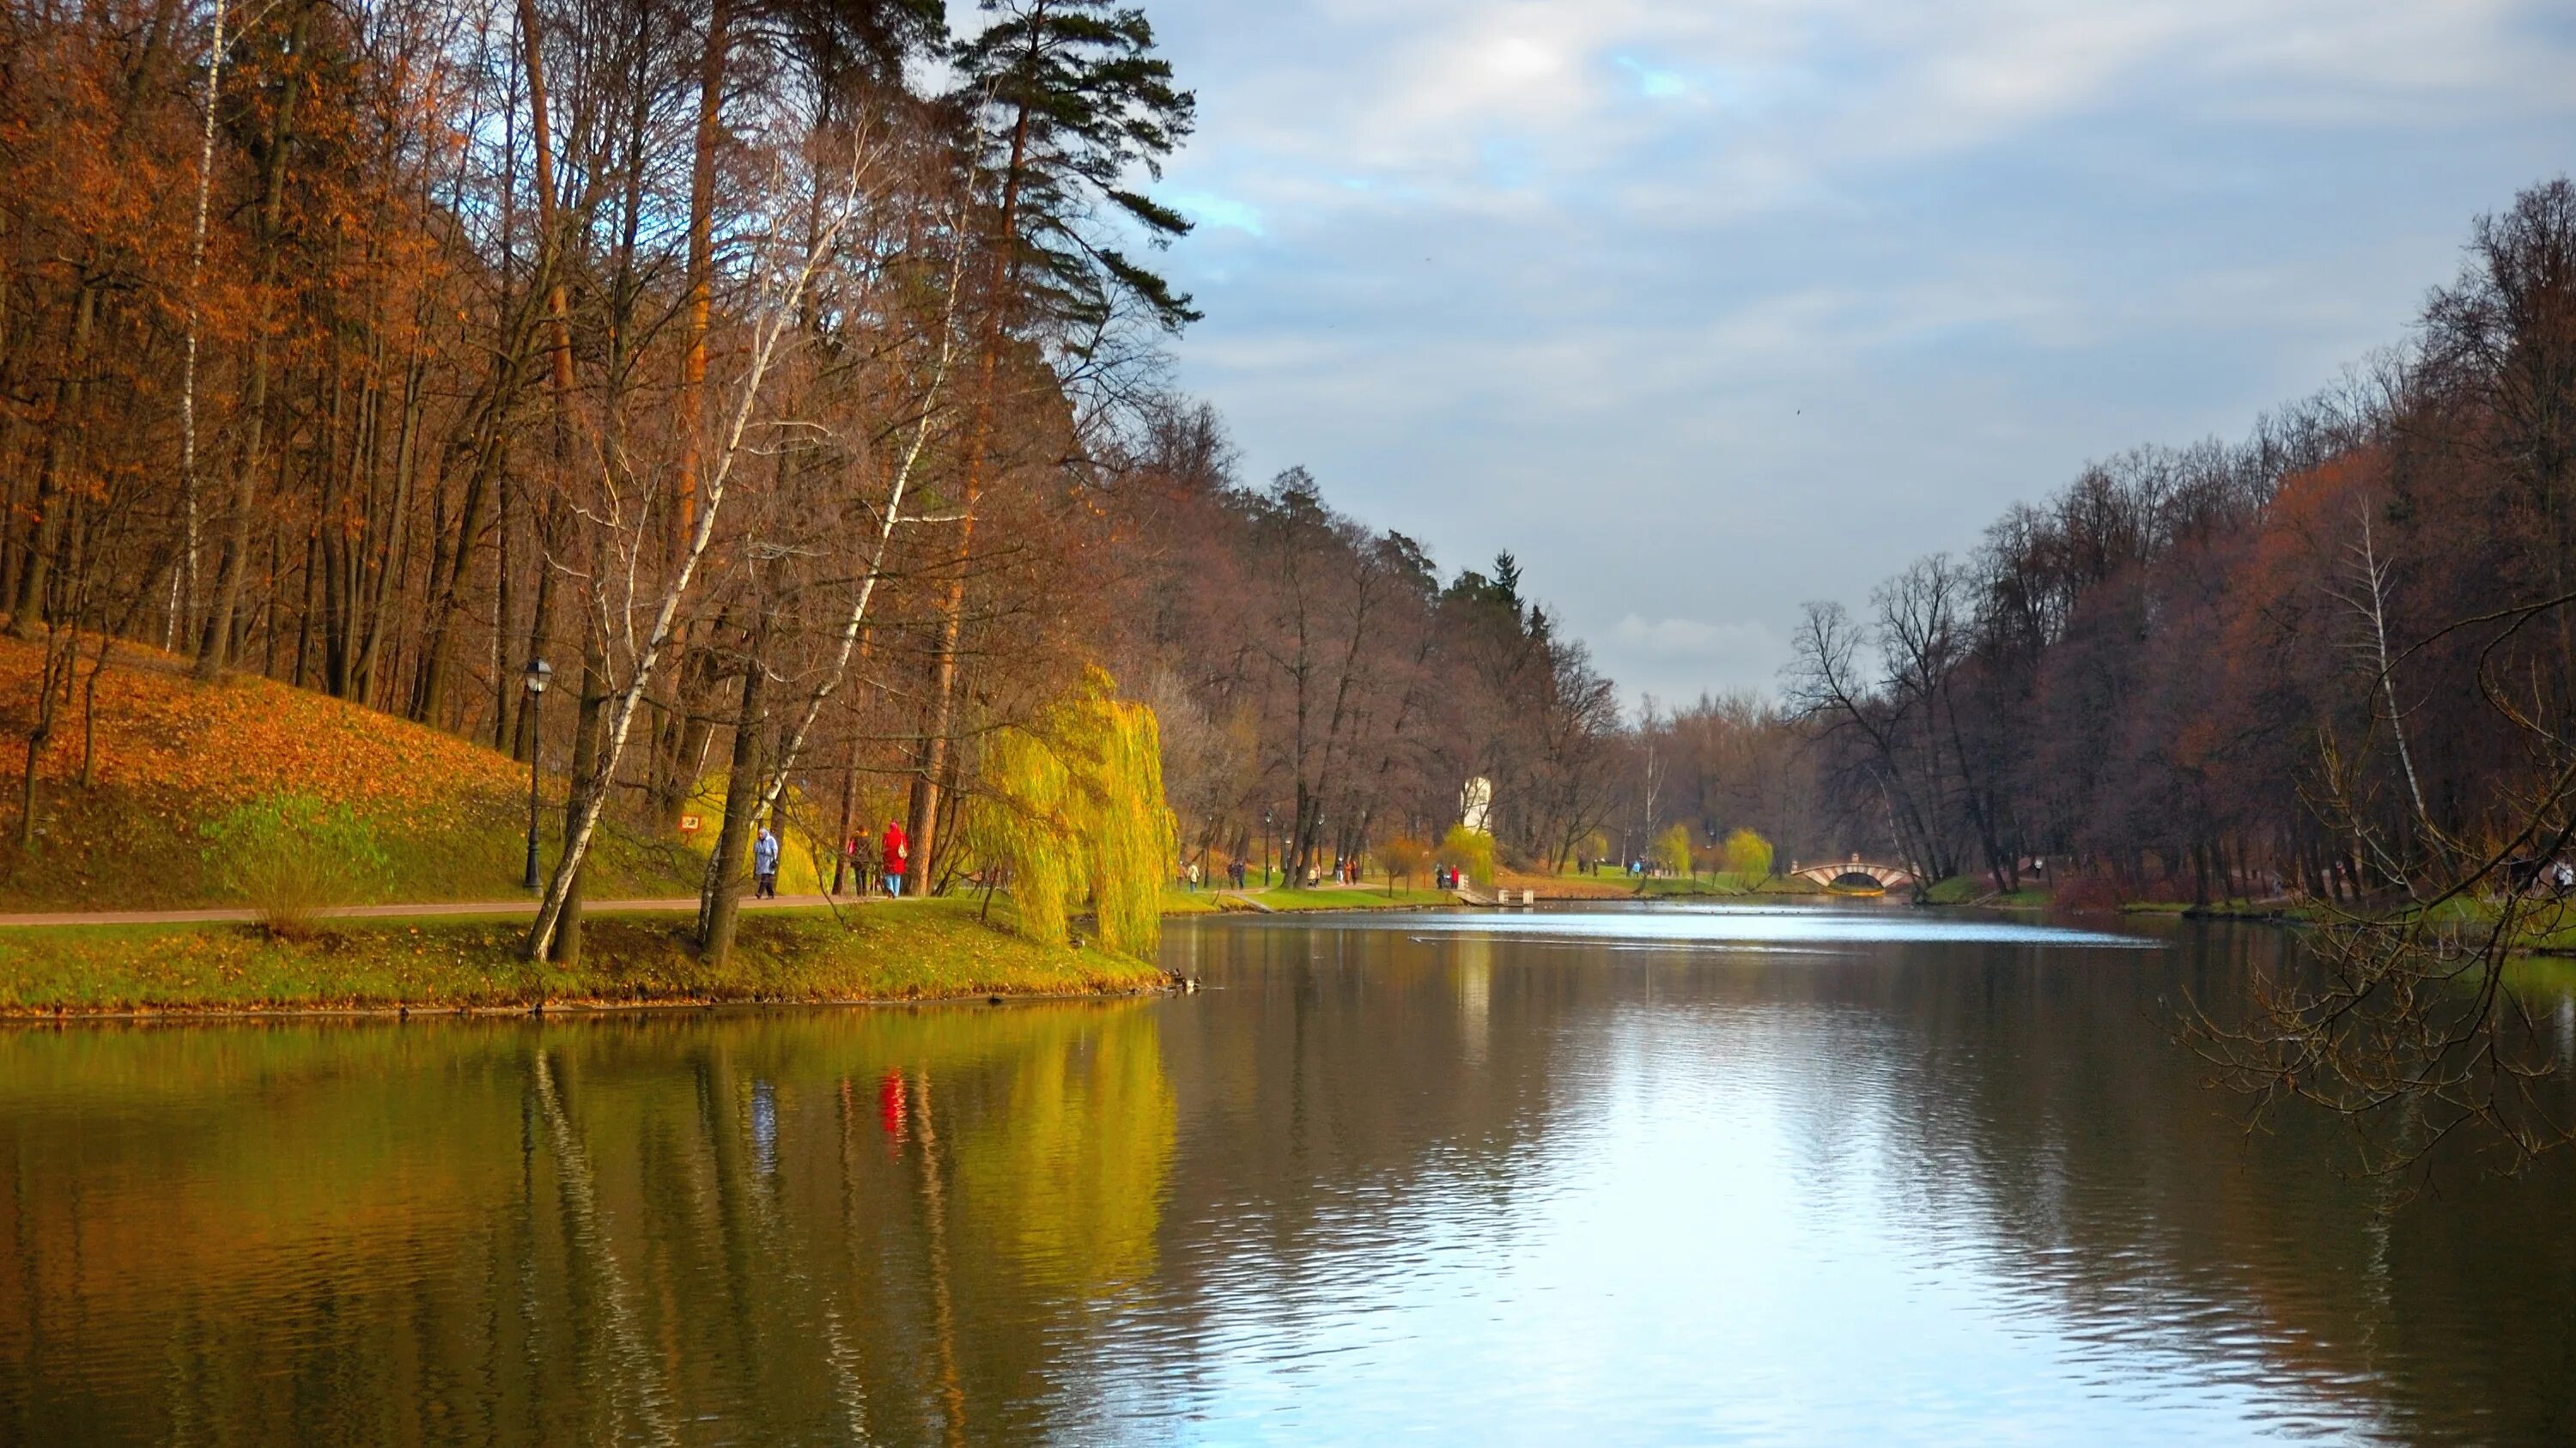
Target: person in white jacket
764	863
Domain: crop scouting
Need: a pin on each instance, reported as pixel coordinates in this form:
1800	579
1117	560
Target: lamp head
537	675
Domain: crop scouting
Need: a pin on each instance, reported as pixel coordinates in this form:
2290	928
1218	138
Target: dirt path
528	907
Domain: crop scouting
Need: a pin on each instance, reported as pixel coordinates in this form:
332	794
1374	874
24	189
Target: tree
1470	853
1402	858
1066	99
1671	852
1748	858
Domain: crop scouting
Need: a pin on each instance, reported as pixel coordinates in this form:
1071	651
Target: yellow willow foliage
1471	851
1075	814
1027	828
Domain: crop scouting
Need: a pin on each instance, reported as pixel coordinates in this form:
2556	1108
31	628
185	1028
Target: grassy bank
1714	885
1363	897
1980	891
925	950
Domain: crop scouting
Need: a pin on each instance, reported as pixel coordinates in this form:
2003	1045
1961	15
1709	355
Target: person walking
895	857
863	865
764	864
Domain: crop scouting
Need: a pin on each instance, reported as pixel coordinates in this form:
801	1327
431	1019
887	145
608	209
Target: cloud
1707	310
1675	660
1212	212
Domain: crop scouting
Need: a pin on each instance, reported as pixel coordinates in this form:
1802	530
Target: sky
1704	310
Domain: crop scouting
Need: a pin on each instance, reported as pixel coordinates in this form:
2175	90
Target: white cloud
1709	309
1210	211
1675	659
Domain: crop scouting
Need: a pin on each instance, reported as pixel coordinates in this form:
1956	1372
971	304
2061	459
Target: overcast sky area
1707	309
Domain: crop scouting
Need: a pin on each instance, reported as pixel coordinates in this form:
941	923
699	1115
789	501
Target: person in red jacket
894	858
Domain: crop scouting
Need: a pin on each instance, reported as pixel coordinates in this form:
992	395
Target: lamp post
1266	833
535	677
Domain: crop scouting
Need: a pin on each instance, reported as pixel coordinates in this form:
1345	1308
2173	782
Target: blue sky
1708	309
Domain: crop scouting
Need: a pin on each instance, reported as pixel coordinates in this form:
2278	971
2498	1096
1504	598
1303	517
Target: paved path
524	906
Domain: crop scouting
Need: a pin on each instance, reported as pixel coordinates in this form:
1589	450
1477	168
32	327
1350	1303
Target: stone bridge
1886	877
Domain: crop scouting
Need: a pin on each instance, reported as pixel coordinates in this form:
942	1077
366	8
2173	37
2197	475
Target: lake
1671	1174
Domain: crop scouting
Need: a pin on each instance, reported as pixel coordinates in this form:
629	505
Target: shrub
1470	852
292	856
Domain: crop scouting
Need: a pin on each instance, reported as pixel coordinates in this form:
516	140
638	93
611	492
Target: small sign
688	824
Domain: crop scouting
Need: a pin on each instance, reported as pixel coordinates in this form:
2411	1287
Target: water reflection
1738	925
780	1228
1479	1178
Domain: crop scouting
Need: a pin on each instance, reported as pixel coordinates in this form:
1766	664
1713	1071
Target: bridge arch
1887	877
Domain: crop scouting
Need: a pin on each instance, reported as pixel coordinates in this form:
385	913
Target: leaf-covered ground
171	755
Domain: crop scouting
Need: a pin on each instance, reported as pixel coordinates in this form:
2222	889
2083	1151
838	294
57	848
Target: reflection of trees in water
2048	1120
915	1225
2030	1109
1336	1081
578	1233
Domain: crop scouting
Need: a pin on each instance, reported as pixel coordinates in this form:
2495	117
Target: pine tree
1072	100
1069	101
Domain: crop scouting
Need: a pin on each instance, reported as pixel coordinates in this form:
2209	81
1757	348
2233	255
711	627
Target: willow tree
1074	813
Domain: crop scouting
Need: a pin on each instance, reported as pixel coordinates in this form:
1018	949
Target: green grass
1370	897
923	950
1182	900
1719	884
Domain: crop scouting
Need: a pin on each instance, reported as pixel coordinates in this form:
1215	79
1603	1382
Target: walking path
527	906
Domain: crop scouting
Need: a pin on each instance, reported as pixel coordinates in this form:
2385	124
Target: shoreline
932	951
18	1019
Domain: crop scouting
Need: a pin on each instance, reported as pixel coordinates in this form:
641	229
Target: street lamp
1266	834
535	677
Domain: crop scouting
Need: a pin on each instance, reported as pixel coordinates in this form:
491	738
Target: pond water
1652	1175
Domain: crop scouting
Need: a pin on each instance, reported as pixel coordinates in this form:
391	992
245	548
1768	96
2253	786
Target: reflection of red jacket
897	851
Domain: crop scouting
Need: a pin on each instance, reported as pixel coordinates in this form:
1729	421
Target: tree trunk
565	949
720	897
214	649
701	277
29	607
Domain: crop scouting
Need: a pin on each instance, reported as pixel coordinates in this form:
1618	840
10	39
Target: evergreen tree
1073	101
1070	99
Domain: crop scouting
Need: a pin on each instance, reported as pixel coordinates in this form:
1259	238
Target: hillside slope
171	757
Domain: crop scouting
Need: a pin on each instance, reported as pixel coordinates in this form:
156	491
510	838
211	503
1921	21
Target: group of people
1234	871
1345	870
890	860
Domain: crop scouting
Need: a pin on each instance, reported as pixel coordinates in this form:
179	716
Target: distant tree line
2322	660
1324	693
2336	661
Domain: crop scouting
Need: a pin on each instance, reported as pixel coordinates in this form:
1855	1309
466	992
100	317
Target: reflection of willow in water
644	1230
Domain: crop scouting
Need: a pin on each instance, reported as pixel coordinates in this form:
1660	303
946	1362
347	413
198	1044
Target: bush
1470	852
291	856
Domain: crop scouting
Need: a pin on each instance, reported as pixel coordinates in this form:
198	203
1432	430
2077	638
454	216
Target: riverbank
912	951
